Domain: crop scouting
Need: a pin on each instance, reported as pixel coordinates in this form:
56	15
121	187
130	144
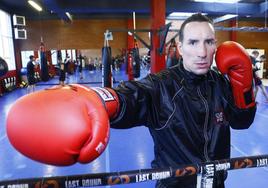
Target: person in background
258	84
67	63
31	74
62	73
256	79
254	55
263	60
80	66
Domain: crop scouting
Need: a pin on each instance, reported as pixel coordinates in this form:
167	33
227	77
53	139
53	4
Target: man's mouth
202	64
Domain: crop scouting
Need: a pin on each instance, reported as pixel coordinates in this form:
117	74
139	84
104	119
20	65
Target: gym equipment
23	76
136	61
3	67
43	62
206	170
23	71
107	80
232	59
37	76
9	83
23	84
70	124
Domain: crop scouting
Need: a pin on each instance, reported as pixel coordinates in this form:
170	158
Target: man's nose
202	51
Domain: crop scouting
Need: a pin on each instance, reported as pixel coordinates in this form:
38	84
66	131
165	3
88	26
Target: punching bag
106	67
130	60
3	67
136	62
43	62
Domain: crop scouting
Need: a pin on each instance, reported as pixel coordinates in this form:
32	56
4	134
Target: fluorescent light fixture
225	17
35	5
217	1
69	15
181	15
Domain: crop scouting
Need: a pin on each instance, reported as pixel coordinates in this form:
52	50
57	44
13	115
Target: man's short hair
255	52
198	17
263	57
31	57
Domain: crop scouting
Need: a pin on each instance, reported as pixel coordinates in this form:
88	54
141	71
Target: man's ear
180	48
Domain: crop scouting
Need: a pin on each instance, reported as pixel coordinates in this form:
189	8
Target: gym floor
130	149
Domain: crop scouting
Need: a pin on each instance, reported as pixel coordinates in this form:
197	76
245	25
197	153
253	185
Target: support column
18	62
158	16
233	34
130	38
130	46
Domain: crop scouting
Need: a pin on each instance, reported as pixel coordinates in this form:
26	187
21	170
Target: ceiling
55	9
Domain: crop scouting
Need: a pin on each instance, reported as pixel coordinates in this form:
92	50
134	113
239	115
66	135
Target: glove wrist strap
110	100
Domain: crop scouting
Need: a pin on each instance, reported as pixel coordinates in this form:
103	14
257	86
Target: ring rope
141	175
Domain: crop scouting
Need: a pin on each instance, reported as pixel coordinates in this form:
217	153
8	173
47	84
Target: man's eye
192	42
211	42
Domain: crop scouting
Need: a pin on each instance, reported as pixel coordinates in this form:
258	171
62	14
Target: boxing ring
206	170
17	171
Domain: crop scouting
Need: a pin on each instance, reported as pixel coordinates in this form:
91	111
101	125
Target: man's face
255	55
198	47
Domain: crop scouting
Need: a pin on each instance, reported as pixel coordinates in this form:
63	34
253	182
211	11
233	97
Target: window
25	57
54	57
63	55
6	40
73	54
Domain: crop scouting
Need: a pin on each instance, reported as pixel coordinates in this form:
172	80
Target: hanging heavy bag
3	67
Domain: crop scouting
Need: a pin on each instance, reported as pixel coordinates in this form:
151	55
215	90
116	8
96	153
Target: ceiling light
218	1
35	5
224	18
181	15
69	15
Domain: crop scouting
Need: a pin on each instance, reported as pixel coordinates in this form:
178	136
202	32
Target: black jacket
30	68
189	116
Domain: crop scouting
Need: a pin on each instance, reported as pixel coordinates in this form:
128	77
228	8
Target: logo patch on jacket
219	117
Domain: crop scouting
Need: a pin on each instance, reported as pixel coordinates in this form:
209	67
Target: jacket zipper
205	123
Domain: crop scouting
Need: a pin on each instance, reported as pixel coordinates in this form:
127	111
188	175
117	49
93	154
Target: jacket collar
192	78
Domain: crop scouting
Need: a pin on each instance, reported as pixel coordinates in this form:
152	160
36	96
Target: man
30	74
257	80
254	55
188	109
80	66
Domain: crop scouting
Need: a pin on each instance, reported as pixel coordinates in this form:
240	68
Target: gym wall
89	34
80	34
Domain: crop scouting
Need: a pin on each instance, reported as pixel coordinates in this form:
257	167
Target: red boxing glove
62	125
232	59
